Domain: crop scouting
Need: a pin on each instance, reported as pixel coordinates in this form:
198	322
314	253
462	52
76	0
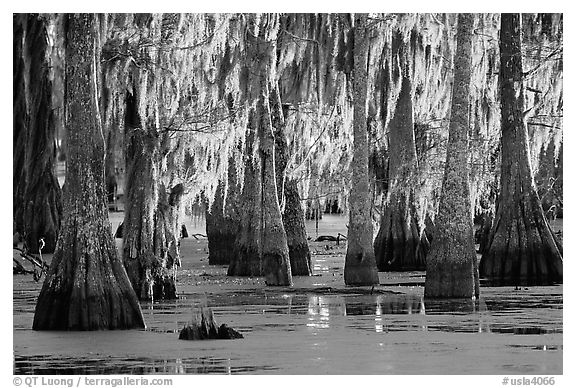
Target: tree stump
203	326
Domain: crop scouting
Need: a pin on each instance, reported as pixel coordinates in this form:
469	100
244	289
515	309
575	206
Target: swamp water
317	326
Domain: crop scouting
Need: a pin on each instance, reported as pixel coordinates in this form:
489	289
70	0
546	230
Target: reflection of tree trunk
86	287
222	220
360	266
37	197
522	249
450	269
400	244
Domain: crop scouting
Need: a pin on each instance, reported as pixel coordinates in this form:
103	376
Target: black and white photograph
287	193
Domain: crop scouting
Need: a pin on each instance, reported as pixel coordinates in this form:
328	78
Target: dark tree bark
360	265
400	244
110	166
222	220
20	123
450	266
37	195
261	244
522	249
86	287
220	237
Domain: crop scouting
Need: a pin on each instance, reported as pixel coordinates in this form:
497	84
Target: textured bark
167	230
400	244
292	213
261	246
141	197
275	253
86	287
37	195
522	249
222	220
203	326
247	259
150	247
293	219
20	124
360	264
450	269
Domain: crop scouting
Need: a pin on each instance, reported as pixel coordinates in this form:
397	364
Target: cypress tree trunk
110	166
38	202
86	287
222	219
261	246
220	241
522	249
247	259
293	219
151	222
141	198
167	223
360	265
292	213
450	266
20	124
400	244
275	253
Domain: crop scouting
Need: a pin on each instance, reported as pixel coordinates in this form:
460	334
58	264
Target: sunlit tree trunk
360	265
522	249
400	244
37	196
86	287
450	265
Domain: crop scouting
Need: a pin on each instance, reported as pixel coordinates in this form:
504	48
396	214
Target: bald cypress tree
360	265
86	287
261	245
37	196
522	249
450	266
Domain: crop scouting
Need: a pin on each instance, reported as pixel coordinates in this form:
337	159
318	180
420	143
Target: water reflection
47	365
466	316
